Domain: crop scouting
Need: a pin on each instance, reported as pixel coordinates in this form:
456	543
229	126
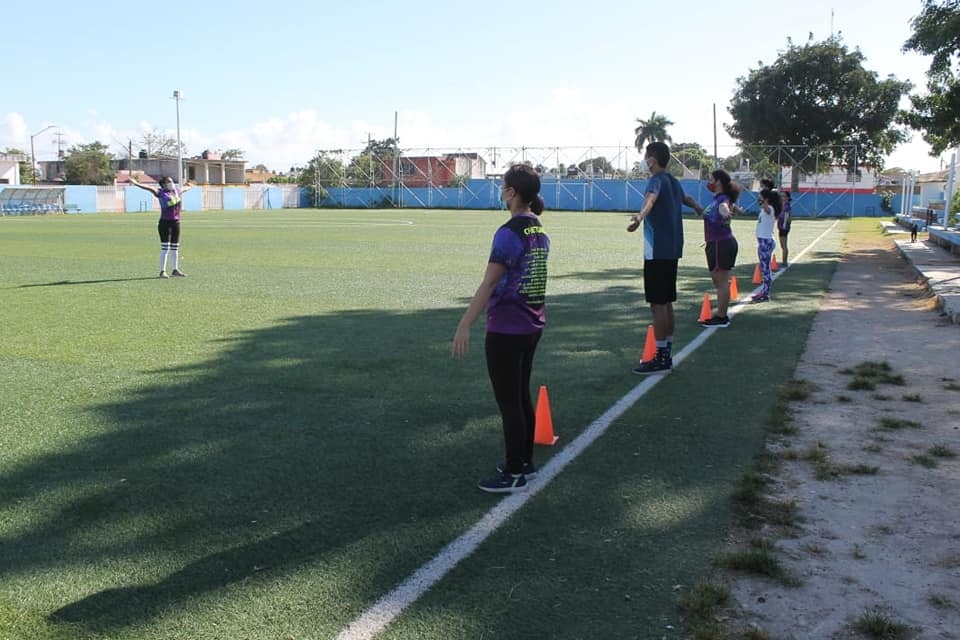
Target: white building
10	167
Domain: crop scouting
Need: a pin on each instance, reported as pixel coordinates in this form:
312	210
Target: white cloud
13	131
559	127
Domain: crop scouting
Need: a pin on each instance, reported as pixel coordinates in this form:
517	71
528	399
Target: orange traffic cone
734	289
543	434
650	346
757	278
773	262
705	311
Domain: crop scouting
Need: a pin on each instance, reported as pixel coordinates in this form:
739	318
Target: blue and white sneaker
503	483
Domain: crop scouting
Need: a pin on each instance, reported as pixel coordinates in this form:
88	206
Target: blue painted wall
558	195
83	196
584	195
233	198
272	198
140	201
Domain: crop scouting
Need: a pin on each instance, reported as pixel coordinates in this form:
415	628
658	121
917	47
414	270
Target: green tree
232	154
322	172
600	166
26	169
375	164
653	129
818	97
88	164
689	160
936	32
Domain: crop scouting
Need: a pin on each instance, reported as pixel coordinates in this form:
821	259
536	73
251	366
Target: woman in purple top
512	292
783	227
721	245
169	226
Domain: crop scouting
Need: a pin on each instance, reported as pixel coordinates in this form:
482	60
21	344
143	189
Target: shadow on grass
348	440
61	283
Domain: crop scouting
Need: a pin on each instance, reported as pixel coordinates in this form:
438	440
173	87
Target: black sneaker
716	321
178	274
657	365
529	470
503	483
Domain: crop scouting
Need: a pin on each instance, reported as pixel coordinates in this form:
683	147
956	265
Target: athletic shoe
178	274
761	298
503	483
716	321
529	470
163	274
654	366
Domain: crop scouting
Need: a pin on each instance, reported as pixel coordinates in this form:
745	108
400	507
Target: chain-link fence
823	180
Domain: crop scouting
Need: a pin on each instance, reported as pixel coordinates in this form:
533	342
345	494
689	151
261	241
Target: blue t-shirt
663	226
517	304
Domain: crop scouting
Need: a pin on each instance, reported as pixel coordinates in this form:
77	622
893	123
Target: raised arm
693	204
145	187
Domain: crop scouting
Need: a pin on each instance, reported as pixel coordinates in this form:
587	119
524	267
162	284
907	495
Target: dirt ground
885	539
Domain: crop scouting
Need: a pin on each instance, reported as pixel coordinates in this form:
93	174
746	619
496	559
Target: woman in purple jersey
169	226
512	292
783	226
721	245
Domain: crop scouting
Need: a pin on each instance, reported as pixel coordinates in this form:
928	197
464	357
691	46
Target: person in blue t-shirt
662	220
513	293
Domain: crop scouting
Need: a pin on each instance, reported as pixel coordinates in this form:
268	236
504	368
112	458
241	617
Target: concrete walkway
937	267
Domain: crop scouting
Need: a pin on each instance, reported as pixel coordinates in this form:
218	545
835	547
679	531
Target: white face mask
650	163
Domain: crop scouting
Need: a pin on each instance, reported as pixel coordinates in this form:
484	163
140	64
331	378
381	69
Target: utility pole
33	153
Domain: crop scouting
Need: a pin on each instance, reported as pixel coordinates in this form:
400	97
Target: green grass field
263	449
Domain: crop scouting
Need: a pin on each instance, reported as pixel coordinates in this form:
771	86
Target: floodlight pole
33	155
716	158
177	98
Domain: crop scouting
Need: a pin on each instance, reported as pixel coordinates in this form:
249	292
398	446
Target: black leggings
509	363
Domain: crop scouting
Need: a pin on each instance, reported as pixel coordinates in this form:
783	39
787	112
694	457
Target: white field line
386	609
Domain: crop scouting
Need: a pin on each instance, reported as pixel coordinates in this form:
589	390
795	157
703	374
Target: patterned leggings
765	247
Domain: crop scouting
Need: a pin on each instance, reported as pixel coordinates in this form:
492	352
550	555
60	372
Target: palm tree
652	130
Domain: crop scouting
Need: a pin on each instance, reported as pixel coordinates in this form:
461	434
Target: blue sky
282	81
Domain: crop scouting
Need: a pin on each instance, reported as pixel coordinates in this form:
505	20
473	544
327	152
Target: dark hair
786	194
660	152
164	179
767	183
525	181
773	198
727	186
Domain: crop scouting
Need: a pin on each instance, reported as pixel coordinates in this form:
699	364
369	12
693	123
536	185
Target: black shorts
722	254
169	231
660	281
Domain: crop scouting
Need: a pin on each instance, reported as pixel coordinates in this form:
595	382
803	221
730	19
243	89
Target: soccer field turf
266	447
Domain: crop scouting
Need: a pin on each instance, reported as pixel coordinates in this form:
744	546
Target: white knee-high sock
164	250
175	254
